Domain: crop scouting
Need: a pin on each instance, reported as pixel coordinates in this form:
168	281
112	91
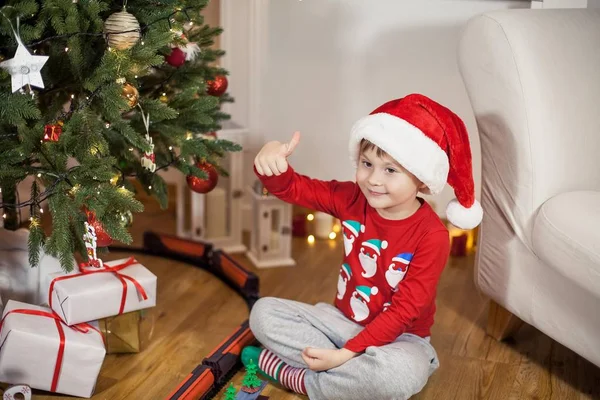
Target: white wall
328	63
593	4
538	4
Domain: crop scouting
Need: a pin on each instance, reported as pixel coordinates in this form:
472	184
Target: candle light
324	224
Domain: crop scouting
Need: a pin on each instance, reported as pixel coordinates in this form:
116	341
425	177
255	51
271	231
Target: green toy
230	393
251	383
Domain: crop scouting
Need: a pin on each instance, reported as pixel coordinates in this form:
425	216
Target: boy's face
387	186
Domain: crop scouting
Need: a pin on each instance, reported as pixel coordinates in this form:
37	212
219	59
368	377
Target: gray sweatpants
391	372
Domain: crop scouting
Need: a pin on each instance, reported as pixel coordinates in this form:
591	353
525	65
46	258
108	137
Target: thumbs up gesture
272	158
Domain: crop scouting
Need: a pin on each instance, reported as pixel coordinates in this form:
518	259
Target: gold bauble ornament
122	30
131	94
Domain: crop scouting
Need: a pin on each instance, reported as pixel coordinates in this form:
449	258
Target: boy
374	343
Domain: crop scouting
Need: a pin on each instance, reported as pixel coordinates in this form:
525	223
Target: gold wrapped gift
125	333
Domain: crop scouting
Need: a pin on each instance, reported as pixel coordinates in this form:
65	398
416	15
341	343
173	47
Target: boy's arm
272	168
327	196
416	292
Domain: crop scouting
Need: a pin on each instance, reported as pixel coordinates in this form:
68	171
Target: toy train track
207	379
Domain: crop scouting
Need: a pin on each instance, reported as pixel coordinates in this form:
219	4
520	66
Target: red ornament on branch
200	185
103	239
52	132
218	86
176	58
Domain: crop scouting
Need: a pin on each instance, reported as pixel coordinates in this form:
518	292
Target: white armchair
533	79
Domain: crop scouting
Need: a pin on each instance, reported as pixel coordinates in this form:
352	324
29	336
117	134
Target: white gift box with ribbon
38	350
93	293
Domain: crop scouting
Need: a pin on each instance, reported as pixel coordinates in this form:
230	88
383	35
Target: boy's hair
365	145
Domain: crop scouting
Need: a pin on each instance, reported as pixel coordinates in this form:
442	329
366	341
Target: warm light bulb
150	187
310	217
39	175
170	148
66	49
337	228
332	235
311	239
41	210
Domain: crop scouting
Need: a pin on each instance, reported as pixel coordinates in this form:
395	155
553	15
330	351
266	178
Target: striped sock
290	377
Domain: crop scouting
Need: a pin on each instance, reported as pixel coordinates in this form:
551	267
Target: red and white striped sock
290	377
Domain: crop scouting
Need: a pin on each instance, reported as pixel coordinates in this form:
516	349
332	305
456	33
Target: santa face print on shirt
397	269
359	302
351	229
370	251
345	276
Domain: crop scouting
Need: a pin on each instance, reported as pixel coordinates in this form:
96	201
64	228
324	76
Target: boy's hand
325	359
272	158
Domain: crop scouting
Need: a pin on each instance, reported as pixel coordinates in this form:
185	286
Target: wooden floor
196	311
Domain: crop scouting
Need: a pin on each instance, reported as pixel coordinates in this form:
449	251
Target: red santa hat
432	143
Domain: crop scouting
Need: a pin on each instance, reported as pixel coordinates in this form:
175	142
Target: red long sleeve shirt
390	271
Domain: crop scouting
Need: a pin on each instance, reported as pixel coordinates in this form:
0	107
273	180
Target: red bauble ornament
200	185
52	132
103	239
176	58
218	86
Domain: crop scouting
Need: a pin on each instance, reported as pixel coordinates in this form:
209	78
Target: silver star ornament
25	68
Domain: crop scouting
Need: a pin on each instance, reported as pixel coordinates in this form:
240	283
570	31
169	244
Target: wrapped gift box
18	281
120	286
33	353
127	333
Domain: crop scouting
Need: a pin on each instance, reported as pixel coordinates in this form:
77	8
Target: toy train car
203	256
199	384
216	369
189	251
227	355
236	276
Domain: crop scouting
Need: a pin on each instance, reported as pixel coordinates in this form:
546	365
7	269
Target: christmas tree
230	393
95	95
251	381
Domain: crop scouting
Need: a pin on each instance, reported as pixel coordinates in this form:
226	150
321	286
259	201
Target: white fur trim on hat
406	144
462	217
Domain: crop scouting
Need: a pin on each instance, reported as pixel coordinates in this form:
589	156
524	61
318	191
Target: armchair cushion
566	236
